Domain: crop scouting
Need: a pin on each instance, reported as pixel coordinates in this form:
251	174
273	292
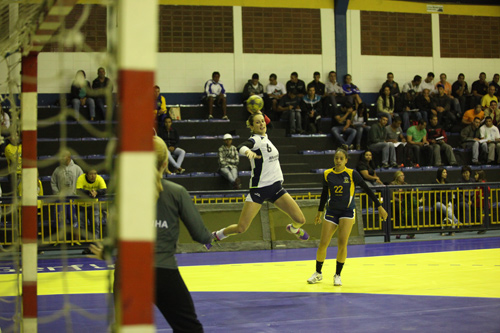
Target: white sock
293	229
220	234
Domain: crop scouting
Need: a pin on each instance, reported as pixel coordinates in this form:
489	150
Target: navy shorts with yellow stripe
269	193
334	216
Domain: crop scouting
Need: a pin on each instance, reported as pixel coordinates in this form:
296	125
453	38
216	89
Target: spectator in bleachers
253	88
377	142
171	137
80	92
311	106
471	114
494	83
471	136
437	138
358	122
319	86
424	104
416	138
215	93
411	90
491	134
161	108
396	137
366	168
393	85
296	84
290	110
441	103
92	186
13	154
493	112
275	91
342	125
464	196
460	91
428	83
480	200
386	103
334	90
479	89
102	86
490	96
444	204
406	205
4	123
455	103
351	91
228	162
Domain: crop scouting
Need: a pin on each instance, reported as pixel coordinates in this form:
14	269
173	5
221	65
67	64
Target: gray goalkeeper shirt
175	204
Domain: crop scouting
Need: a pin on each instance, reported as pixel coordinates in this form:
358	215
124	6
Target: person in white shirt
215	93
333	90
275	90
428	83
491	134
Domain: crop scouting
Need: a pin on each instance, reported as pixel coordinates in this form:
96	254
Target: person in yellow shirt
13	154
91	186
490	96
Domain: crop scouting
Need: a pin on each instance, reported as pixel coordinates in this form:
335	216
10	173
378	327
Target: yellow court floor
472	273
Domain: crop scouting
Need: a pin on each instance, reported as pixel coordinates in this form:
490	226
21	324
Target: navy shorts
334	216
269	193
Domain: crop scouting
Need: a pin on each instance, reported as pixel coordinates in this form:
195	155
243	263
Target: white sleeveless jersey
266	170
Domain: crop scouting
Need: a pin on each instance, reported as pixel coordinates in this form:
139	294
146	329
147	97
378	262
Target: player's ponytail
161	152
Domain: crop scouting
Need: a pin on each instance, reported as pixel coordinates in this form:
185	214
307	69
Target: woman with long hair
366	167
80	90
385	103
444	203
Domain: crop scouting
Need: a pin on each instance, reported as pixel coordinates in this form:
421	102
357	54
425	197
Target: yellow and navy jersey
83	184
339	189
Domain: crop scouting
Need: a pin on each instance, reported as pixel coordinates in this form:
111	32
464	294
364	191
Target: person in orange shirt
469	115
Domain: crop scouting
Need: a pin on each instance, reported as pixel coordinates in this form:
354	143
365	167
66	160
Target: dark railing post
387	205
486	207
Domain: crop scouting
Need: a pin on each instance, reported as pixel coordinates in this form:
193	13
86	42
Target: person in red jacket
436	136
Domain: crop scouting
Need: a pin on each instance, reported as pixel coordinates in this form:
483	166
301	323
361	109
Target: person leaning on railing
406	204
444	204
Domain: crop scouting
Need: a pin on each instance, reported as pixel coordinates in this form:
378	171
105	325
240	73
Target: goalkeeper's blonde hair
161	152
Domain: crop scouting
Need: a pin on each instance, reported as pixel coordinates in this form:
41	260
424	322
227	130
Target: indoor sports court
426	286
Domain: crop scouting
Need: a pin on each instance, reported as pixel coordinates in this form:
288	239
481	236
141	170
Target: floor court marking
471	273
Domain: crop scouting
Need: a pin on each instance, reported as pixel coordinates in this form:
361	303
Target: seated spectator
228	162
444	203
441	103
91	185
479	89
386	103
393	85
493	112
342	125
491	135
406	205
171	137
311	110
448	92
295	84
411	90
437	138
319	86
366	169
252	88
215	93
334	92
377	142
494	83
460	91
80	92
351	91
4	123
290	110
275	91
471	136
359	119
428	83
490	96
396	137
416	136
102	87
161	108
464	196
471	114
424	104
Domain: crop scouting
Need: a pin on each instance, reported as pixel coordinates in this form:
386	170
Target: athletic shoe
210	116
316	277
300	234
225	118
214	240
336	280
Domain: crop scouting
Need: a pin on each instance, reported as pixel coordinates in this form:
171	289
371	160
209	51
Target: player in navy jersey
339	186
265	184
